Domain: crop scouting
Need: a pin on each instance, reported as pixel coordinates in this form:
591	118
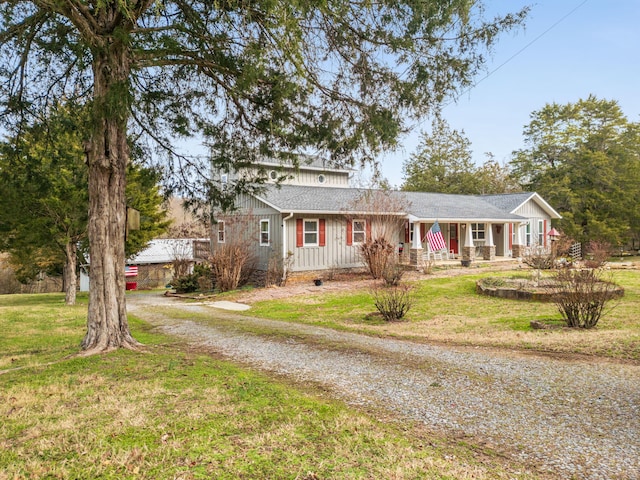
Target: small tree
233	260
383	210
581	296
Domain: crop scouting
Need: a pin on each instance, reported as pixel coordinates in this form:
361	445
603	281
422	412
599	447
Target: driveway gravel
576	418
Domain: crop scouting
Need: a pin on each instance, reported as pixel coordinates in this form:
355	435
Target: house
318	221
161	261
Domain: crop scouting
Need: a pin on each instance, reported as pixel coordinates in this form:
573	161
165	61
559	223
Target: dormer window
322	178
273	175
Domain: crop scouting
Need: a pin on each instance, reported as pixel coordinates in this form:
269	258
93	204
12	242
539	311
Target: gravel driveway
571	419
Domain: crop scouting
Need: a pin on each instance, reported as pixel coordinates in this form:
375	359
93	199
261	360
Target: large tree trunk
69	273
107	156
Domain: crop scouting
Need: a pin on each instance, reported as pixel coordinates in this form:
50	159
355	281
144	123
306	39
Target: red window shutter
510	236
545	233
349	232
407	233
299	233
322	234
368	228
423	231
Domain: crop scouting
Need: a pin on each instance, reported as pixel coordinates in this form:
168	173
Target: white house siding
335	253
312	178
533	212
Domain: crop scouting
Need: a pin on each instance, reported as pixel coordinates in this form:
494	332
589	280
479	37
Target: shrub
394	302
231	265
539	259
597	254
186	283
393	273
376	255
278	270
581	296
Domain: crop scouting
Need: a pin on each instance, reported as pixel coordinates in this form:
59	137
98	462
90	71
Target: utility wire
517	53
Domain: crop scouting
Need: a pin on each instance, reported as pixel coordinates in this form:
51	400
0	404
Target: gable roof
421	206
452	208
511	202
165	250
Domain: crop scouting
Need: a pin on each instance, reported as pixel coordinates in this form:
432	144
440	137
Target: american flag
130	271
435	238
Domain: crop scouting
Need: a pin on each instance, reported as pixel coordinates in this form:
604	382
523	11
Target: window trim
322	178
268	232
316	221
475	230
221	230
354	231
541	231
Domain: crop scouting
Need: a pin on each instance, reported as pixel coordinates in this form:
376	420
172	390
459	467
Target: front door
453	237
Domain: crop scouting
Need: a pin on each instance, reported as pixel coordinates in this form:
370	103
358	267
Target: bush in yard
186	283
378	232
393	302
376	255
278	270
539	260
393	272
232	265
581	296
597	254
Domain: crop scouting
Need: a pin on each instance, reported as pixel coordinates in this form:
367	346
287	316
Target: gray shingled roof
443	206
421	205
510	202
507	202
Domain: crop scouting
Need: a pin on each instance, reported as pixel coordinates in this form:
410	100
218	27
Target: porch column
489	248
517	249
469	249
415	254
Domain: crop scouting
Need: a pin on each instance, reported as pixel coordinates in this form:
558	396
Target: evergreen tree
256	78
584	158
44	198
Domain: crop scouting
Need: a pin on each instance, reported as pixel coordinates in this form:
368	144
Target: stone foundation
415	257
469	253
517	251
489	252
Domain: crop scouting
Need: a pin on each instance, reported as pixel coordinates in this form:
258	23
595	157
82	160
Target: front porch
466	242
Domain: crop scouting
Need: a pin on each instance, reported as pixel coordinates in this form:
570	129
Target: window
221	231
310	233
411	228
322	178
541	232
359	231
264	233
273	175
224	178
528	234
477	231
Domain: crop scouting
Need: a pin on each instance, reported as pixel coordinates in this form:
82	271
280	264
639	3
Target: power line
555	24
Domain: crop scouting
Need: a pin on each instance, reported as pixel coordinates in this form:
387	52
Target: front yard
448	310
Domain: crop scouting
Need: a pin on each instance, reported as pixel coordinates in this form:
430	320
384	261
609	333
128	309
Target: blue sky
594	50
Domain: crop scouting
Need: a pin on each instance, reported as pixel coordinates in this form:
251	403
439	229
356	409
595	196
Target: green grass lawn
449	310
173	412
